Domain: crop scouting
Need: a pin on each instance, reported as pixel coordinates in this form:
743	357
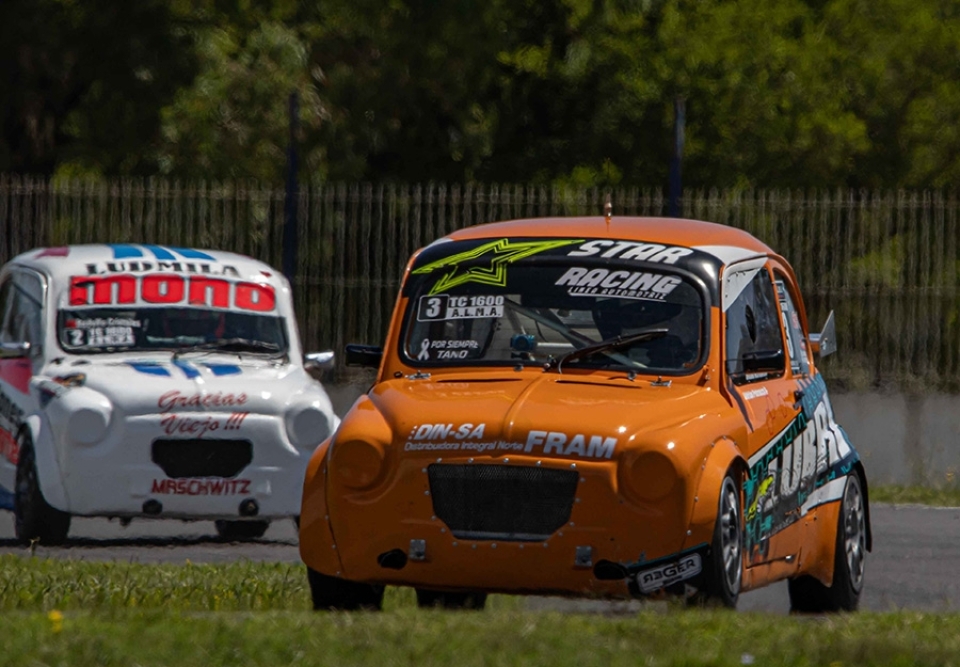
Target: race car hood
548	415
213	383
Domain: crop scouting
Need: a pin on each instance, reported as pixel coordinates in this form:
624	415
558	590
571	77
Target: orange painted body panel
649	455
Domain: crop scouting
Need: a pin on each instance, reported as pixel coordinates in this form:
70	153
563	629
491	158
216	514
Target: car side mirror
364	355
15	350
825	342
317	363
772	361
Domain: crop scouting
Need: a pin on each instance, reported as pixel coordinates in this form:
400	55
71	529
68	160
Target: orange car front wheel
428	598
723	571
336	594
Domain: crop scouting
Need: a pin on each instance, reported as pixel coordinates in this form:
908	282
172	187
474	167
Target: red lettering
103	289
170	288
251	296
200	487
173	424
219	291
161	288
173	400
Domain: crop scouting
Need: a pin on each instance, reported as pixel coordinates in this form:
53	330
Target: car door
759	375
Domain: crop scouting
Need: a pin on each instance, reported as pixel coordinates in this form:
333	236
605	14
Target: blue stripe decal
125	251
187	369
223	369
6	499
148	367
190	253
160	252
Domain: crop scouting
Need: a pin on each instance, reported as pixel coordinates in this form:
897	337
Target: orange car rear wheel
336	594
807	594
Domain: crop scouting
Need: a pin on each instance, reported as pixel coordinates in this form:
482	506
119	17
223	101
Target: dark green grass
407	636
942	496
61	612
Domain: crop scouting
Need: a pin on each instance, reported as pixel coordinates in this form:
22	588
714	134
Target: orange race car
599	406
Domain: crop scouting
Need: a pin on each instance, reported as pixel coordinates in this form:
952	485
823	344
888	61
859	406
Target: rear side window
796	341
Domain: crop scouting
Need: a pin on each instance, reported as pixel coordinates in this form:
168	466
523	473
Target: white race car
151	381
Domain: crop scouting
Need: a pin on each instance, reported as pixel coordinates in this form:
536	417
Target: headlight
81	414
651	476
88	424
307	426
357	462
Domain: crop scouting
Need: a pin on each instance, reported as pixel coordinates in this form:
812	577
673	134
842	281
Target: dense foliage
796	93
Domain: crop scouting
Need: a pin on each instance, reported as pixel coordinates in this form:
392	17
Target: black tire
807	594
723	571
428	599
241	530
34	519
335	594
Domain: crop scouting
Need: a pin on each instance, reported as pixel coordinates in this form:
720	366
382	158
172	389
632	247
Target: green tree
233	121
82	83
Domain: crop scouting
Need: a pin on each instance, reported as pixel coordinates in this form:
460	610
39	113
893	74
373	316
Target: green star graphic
503	251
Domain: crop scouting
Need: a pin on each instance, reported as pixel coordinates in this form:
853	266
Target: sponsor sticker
215	486
445	307
660	577
171	289
646	252
446	349
486	264
583	281
102	332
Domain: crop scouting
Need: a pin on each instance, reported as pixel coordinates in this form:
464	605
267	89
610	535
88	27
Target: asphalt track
915	563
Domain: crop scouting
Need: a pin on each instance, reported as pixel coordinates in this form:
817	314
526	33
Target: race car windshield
104	330
540	313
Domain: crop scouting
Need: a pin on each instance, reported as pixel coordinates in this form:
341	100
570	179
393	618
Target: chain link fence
885	262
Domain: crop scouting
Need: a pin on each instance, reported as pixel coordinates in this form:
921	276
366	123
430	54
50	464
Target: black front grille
202	457
502	502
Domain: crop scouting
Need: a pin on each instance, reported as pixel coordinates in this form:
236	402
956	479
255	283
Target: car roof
64	261
707	236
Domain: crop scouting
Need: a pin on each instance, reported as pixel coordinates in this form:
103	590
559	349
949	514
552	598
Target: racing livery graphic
613	407
152	381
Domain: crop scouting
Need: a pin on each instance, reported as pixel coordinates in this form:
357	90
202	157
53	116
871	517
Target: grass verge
946	496
61	612
408	636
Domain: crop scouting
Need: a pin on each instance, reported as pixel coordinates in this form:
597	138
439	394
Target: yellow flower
56	621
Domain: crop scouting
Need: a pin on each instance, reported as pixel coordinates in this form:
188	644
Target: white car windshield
102	330
650	320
